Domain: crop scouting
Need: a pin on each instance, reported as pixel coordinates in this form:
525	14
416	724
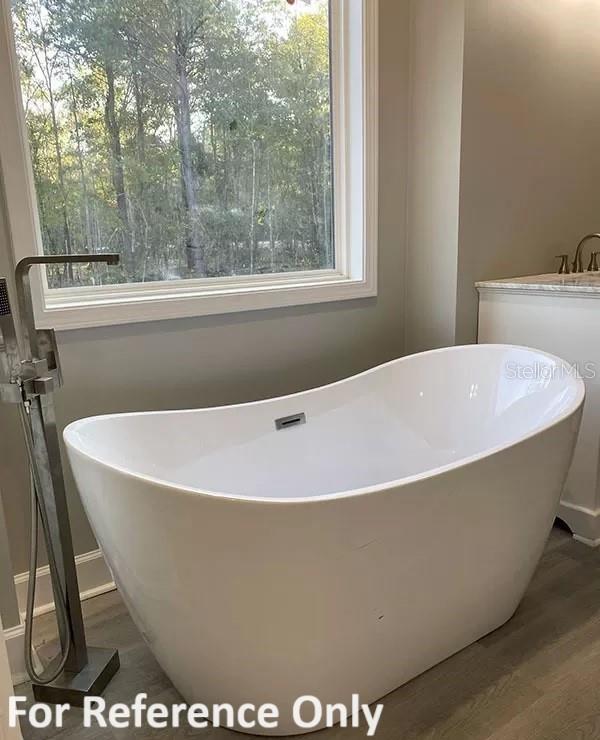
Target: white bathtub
341	556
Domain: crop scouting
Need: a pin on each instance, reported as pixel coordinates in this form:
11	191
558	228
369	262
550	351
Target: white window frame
355	101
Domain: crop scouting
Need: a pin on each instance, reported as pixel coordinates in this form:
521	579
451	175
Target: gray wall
513	179
9	611
239	357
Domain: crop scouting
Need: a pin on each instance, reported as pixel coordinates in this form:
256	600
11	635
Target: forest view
191	136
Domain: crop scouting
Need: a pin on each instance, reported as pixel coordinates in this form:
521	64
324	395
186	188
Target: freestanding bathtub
397	521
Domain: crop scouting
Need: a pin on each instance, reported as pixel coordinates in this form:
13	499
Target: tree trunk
314	197
68	247
225	174
141	221
85	209
328	221
113	129
252	234
194	247
270	214
140	127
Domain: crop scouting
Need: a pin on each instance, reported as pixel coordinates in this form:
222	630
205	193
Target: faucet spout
23	286
577	262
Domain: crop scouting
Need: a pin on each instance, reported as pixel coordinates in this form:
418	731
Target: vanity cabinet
559	314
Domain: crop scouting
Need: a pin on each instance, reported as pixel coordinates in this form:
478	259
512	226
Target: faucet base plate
73	688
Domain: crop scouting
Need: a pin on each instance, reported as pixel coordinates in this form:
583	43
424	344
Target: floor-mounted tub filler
338	541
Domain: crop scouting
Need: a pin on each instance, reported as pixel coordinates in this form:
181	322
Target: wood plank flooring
536	678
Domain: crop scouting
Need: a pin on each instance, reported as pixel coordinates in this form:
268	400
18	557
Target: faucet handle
593	266
564	264
48	351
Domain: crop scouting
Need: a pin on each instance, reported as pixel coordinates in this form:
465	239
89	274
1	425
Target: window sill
77	308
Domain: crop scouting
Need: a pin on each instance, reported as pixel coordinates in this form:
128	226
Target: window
226	149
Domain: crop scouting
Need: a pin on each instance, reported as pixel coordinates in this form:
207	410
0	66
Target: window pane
191	136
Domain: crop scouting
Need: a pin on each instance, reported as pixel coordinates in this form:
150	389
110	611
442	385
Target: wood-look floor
536	678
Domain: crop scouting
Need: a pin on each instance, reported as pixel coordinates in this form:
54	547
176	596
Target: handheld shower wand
29	374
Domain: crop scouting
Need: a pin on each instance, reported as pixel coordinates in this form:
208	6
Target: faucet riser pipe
53	505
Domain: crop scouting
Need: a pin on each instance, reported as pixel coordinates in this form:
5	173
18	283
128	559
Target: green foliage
193	136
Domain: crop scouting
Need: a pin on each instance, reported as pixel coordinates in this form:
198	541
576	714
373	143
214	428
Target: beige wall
239	357
437	38
529	142
530	172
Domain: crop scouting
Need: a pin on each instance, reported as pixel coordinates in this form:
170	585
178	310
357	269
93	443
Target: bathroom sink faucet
577	263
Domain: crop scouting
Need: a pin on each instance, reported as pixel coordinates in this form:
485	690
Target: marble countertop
582	282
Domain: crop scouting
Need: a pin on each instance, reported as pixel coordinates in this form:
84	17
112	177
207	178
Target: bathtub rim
578	402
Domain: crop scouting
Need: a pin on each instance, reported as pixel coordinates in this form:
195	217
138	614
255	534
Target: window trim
355	156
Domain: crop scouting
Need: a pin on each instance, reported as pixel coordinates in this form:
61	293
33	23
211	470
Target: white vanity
559	314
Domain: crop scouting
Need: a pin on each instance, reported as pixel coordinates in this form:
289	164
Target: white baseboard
15	647
584	523
94	579
92	573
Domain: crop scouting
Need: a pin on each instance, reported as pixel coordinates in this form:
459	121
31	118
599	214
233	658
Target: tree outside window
191	136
